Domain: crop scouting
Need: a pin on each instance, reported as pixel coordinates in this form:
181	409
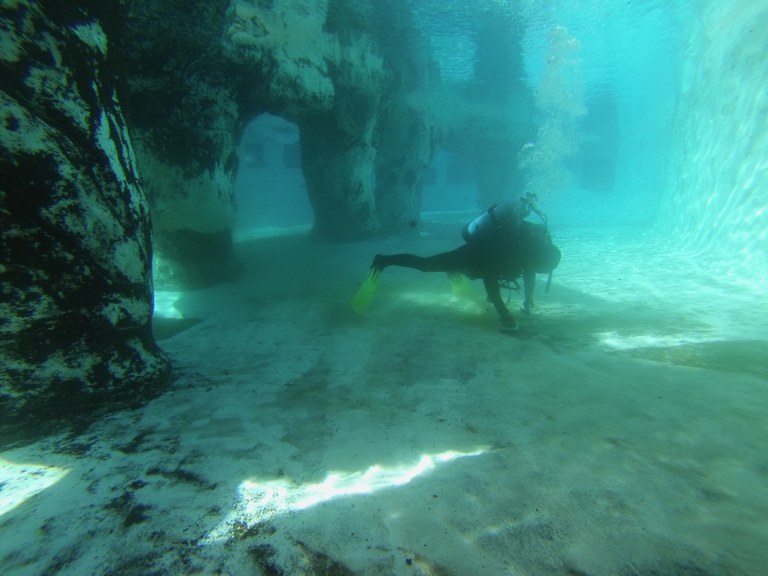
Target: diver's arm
529	284
494	297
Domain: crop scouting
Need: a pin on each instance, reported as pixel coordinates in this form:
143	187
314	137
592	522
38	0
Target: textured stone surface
192	217
339	171
356	77
182	109
288	42
326	72
405	149
76	251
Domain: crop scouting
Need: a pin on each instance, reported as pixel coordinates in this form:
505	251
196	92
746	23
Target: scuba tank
498	216
480	225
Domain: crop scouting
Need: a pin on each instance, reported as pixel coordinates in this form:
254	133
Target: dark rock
75	333
190	259
183	109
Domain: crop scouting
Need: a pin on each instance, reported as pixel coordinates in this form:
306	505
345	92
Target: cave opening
449	184
269	188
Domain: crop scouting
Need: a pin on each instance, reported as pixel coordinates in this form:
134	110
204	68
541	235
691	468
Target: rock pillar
339	171
75	251
406	146
183	111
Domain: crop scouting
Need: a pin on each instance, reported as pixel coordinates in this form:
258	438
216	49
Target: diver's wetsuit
505	253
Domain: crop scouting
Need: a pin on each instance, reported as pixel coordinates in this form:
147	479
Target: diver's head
546	258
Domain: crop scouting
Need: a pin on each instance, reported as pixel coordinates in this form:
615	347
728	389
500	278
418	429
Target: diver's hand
508	322
527	307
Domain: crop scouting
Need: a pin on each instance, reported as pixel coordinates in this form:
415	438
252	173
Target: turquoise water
629	60
622	429
665	105
691	95
662	217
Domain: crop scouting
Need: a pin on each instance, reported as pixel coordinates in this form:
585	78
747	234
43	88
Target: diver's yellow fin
460	287
363	298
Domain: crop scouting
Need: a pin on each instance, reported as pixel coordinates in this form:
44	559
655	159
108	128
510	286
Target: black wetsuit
505	253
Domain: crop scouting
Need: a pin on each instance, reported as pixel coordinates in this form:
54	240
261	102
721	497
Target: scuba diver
500	247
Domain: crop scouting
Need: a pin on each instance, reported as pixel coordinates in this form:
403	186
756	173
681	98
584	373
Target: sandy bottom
622	431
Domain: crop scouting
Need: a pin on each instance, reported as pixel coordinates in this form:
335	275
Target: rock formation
182	109
356	77
75	333
327	74
358	80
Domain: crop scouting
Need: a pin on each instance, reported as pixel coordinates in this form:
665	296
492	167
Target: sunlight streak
259	501
616	341
165	304
467	304
20	482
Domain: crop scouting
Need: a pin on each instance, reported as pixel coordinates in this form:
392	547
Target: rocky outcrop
75	335
326	73
182	109
407	134
286	52
405	148
357	79
338	167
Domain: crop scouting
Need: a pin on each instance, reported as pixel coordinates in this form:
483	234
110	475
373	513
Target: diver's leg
453	261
